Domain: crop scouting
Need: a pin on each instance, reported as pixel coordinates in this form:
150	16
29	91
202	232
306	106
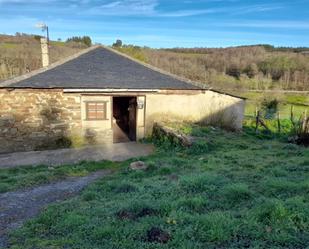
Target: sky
164	23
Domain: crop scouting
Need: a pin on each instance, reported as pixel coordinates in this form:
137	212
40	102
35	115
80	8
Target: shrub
270	108
252	70
233	71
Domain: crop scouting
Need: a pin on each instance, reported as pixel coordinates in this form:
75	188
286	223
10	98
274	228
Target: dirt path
112	152
18	206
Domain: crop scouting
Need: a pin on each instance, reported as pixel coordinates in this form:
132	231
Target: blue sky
164	23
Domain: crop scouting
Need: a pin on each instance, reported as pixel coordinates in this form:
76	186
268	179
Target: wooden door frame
112	111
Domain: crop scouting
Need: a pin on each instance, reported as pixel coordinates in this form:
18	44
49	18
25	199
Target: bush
252	70
270	108
234	71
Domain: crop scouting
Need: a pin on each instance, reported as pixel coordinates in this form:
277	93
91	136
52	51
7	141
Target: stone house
103	96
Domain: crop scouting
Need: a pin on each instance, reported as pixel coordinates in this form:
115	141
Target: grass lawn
300	102
228	191
22	177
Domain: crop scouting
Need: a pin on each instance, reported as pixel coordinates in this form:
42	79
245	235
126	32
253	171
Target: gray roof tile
102	68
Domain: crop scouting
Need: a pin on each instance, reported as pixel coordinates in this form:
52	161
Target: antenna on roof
43	27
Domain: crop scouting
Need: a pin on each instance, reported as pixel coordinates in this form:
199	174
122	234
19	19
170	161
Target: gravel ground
111	152
19	206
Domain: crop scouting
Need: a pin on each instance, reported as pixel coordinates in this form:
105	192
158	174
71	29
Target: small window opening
96	110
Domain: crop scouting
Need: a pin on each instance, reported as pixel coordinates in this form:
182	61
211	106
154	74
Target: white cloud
268	24
125	7
149	8
26	1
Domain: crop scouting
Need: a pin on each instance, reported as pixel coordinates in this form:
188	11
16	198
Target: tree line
258	67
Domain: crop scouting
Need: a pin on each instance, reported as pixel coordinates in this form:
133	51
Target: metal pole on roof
44	27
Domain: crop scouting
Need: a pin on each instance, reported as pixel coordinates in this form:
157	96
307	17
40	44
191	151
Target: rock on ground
139	165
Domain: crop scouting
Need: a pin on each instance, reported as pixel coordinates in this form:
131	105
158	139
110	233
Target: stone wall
38	119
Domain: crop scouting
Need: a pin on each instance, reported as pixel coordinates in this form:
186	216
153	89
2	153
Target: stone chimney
45	55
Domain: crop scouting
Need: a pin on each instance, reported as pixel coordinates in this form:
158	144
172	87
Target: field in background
22	54
287	100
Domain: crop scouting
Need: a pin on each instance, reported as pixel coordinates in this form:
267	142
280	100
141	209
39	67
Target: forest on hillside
260	67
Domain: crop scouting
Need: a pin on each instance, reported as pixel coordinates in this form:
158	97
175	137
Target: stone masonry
38	119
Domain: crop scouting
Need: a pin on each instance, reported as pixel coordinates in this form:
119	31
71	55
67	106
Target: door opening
124	119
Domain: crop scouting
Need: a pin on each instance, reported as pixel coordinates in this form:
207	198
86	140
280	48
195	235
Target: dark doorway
124	119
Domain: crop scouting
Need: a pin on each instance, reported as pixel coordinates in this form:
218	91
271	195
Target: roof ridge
16	79
159	70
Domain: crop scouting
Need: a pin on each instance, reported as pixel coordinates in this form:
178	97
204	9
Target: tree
117	44
252	70
85	40
234	71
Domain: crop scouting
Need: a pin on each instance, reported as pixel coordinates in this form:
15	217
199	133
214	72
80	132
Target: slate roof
101	68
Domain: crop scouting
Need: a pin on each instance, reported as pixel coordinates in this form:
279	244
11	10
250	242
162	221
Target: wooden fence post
304	124
292	114
278	120
257	120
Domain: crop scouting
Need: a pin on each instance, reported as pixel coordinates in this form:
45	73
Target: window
96	110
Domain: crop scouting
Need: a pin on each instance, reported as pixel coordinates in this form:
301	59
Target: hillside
236	68
260	67
22	53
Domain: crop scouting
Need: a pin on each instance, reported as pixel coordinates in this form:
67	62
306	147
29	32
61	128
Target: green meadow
229	190
286	100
